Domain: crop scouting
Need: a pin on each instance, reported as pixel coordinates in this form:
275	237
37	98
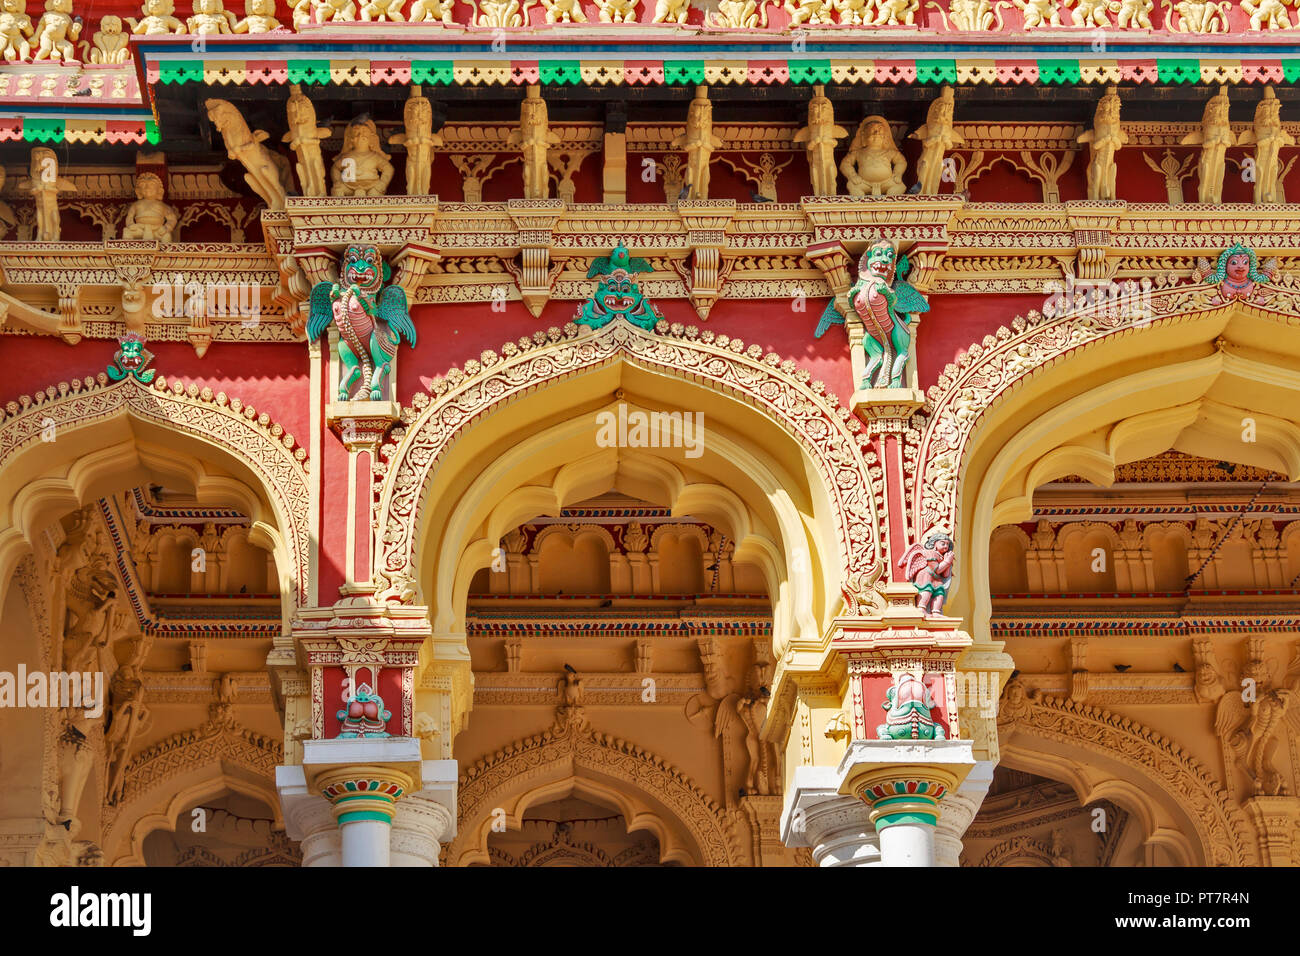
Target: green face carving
363	267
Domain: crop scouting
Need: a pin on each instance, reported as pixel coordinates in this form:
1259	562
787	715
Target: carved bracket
706	222
535	219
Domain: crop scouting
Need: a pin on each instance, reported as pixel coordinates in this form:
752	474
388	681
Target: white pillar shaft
907	844
323	848
365	843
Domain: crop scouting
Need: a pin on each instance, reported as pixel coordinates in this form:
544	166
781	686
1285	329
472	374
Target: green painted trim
309	71
904	798
1291	70
684	71
432	71
936	71
887	820
810	71
559	72
1178	71
44	130
356	816
1058	71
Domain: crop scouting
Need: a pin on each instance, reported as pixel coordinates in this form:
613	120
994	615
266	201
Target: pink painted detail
1017	71
767	71
524	71
361	521
267	71
644	71
391	72
892	460
1262	71
11	129
895	71
1139	71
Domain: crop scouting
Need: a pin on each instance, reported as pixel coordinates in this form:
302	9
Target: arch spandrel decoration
232	428
1159	765
993	371
833	439
534	765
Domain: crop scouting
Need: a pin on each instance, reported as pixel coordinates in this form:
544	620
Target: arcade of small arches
625	657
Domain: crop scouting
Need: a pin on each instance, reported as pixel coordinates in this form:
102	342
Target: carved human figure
1214	137
672	11
323	11
210	17
433	11
500	13
44	184
1107	138
1237	274
1135	14
108	44
266	173
937	136
157	19
564	11
874	165
699	143
812	12
1198	16
56	32
1267	14
616	11
361	168
381	11
304	138
534	139
820	138
130	718
149	217
1268	137
893	13
972	14
15	30
419	139
260	18
1040	13
929	566
1091	13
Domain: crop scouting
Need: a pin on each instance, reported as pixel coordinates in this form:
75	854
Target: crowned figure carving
362	168
874	165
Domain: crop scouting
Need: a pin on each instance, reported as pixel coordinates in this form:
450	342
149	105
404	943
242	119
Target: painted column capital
903	782
362	792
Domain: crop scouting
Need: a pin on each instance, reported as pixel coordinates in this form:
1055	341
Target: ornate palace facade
631	433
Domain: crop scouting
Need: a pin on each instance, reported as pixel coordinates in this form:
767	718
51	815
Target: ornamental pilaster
706	222
535	221
1276	820
1094	221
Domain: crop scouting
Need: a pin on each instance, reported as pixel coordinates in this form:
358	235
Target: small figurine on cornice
381	11
15	30
564	11
1268	137
266	172
617	295
937	136
1092	13
372	320
44	184
894	13
433	11
419	139
260	18
1040	13
1135	14
1214	137
57	32
617	11
971	15
131	360
820	137
699	143
498	13
361	168
1267	14
1237	275
811	12
1107	138
908	708
363	714
929	566
157	19
874	165
1198	16
740	14
210	17
149	217
672	11
108	45
304	138
853	12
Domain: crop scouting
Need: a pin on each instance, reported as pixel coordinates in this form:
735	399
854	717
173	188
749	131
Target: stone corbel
410	265
70	312
1093	223
535	219
133	261
706	222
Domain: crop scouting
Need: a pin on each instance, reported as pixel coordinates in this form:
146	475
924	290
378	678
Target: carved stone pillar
837	827
902	782
958	810
426	819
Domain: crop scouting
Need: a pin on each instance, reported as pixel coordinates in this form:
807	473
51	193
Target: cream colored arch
782	469
88	439
690	827
1102	391
1104	756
